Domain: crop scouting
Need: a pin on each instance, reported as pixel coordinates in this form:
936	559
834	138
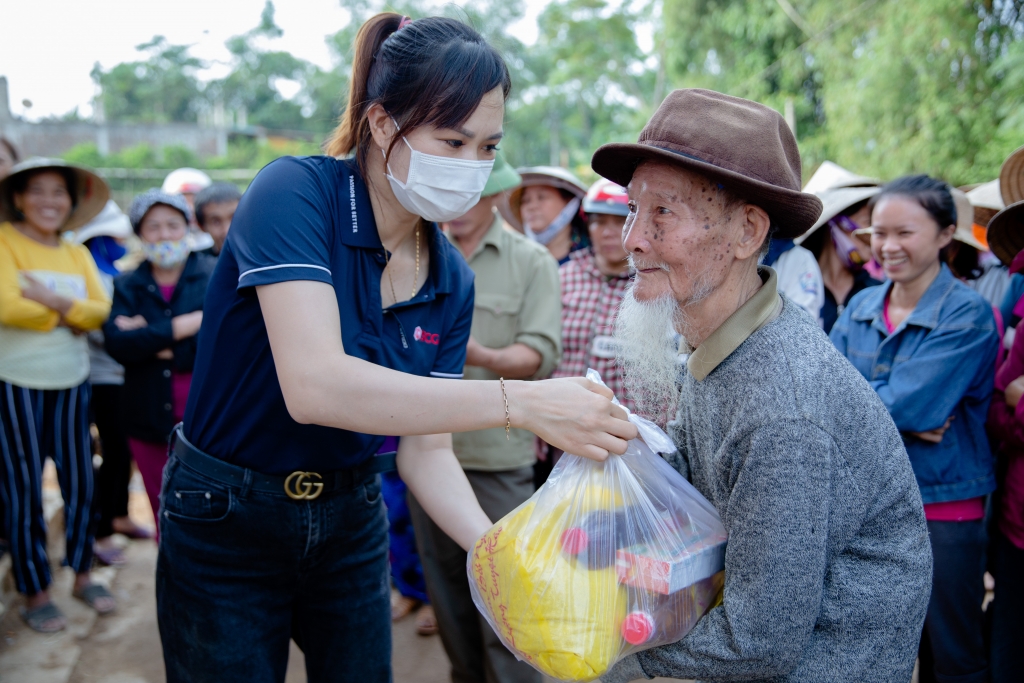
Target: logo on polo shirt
421	335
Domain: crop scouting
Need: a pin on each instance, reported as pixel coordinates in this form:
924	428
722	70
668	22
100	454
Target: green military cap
503	178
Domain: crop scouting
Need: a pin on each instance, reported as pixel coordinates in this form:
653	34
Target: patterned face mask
166	254
841	228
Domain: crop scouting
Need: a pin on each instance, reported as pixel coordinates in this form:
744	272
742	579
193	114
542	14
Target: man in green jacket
516	334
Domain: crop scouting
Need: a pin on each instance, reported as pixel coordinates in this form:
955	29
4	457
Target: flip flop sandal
403	607
93	592
426	621
37	618
111	557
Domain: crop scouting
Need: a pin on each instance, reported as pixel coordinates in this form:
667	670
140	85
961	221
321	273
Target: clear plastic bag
606	559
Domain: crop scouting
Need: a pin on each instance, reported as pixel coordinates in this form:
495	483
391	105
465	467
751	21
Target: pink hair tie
405	22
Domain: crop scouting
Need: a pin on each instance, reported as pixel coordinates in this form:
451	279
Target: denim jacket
939	362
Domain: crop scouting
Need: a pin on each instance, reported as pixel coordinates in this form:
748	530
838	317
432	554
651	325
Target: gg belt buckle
299	487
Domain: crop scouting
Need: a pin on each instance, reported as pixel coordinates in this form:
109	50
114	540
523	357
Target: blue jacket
939	362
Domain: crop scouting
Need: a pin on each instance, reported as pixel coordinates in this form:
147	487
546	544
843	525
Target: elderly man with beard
828	565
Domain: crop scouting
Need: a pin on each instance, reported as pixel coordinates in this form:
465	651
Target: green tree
748	48
584	83
885	87
252	84
160	89
911	87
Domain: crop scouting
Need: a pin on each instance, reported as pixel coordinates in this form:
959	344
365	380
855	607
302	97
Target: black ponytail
431	71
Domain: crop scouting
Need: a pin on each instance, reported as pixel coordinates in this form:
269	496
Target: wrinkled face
163	224
606	236
681	234
905	238
46	202
540	205
217	220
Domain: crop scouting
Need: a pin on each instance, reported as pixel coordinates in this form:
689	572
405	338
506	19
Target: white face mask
440	189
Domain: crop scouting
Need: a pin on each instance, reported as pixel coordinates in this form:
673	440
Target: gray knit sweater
828	566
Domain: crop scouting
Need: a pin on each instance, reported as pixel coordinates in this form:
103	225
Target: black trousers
1007	611
111	500
952	643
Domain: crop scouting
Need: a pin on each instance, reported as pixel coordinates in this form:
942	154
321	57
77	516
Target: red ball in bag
637	628
574	540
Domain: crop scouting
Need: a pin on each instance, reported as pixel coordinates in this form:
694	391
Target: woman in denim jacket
927	344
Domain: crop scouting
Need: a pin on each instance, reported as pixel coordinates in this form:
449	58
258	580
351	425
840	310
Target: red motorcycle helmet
604	196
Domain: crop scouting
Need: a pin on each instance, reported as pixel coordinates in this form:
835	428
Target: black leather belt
297	485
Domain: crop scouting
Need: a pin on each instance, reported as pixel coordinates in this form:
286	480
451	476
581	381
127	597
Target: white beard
648	354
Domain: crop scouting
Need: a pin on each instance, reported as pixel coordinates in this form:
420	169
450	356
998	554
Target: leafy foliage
251	86
161	89
884	87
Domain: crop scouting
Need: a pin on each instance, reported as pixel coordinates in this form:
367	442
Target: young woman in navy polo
337	313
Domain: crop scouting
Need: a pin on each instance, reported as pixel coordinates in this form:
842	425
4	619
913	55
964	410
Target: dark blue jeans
952	643
1007	611
242	572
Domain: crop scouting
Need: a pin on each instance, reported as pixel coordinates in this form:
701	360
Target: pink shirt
954	510
885	316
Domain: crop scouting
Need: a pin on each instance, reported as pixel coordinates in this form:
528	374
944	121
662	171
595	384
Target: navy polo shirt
310	218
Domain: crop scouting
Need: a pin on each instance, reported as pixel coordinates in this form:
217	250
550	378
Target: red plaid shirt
590	301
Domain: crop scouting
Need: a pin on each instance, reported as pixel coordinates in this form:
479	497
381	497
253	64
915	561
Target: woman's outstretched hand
573	414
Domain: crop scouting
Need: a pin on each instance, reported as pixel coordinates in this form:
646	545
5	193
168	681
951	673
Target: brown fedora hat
746	146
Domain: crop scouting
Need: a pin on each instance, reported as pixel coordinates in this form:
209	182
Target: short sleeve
540	318
281	230
451	357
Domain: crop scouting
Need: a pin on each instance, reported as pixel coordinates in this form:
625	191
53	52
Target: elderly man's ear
754	226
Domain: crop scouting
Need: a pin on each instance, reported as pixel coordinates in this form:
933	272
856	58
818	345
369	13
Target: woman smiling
50	295
927	344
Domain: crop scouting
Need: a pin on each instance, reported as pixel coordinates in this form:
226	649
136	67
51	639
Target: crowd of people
862	435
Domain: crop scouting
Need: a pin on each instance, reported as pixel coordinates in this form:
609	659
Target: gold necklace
416	277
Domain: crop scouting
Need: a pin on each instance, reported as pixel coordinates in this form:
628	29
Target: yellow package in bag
606	559
559	615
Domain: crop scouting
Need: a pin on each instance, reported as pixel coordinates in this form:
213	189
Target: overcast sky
50	46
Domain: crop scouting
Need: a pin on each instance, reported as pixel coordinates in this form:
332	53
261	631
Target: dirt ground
125	646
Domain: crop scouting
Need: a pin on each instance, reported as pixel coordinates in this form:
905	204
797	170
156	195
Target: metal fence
125	183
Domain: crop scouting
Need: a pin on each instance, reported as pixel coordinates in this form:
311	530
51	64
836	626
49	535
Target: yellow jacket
35	350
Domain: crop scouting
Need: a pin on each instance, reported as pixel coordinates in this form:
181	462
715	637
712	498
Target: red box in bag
648	568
